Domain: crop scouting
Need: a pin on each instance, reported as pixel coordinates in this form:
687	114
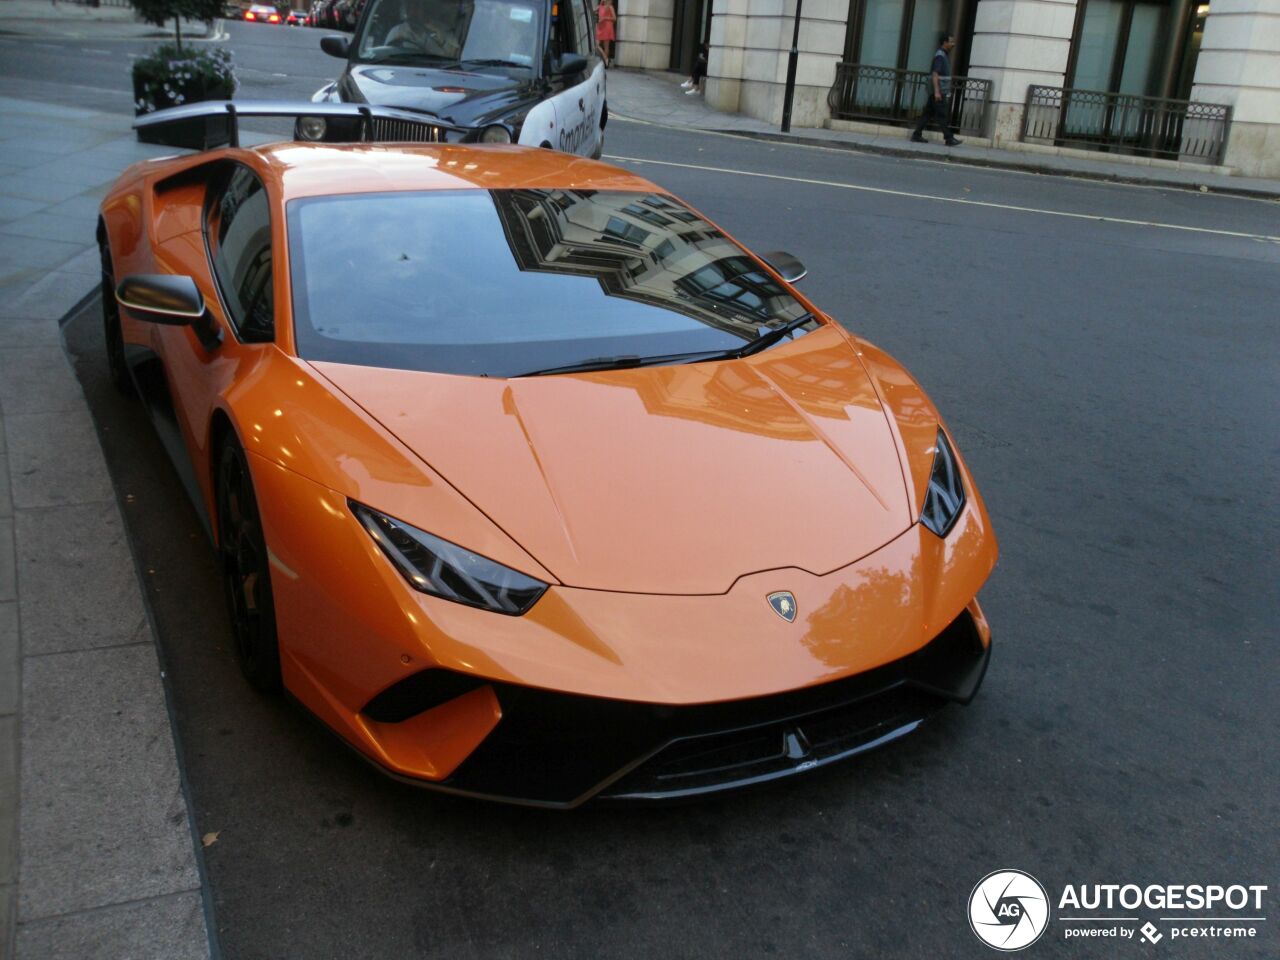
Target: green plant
160	12
170	76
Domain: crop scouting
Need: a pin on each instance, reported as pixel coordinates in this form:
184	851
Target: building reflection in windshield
646	248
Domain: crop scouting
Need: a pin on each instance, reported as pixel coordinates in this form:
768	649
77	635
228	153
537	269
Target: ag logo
1008	910
784	605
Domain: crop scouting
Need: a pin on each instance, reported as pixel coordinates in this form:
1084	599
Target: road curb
1030	166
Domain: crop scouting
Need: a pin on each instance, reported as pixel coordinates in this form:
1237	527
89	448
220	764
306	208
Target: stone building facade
1109	53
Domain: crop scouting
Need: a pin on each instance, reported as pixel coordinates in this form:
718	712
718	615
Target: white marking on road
972	203
280	75
105	53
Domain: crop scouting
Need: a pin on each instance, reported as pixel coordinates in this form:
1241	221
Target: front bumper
559	750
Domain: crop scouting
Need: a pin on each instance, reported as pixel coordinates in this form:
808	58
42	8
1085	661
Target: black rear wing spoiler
216	123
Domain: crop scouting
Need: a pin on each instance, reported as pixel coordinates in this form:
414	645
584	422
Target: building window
1146	48
903	34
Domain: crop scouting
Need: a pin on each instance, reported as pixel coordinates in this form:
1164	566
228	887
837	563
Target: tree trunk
177	31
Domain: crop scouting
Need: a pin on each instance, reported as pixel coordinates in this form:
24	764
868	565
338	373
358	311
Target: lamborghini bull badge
784	605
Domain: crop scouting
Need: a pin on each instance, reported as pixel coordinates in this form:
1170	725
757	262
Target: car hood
457	96
674	480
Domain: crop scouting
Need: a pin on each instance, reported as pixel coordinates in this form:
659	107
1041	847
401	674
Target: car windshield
461	32
505	282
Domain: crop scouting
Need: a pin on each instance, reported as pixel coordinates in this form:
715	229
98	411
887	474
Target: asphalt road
1113	386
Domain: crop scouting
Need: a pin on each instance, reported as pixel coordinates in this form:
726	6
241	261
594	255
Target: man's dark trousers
935	111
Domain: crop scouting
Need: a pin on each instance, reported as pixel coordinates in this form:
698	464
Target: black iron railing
886	95
1122	123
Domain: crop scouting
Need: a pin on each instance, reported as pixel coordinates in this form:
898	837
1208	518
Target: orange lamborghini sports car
527	479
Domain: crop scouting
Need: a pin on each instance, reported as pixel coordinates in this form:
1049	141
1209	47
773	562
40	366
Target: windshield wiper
622	362
770	337
491	63
409	56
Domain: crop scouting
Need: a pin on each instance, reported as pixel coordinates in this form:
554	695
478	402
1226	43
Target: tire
246	573
113	336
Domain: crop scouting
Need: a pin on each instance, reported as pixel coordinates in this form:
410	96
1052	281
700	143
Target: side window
584	35
571	34
238	233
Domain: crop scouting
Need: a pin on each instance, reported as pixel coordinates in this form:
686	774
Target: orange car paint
639	608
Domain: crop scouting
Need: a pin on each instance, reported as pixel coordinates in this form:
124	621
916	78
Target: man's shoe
687	84
916	138
692	92
953	142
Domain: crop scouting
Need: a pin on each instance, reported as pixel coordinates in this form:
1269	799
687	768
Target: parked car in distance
261	13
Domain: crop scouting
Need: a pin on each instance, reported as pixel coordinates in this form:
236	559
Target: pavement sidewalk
97	855
44	18
657	98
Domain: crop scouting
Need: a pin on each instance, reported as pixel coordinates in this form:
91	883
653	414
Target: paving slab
108	865
103	819
8	562
22	254
14	208
165	928
42	189
9	656
37	380
29	333
47	300
7	893
55	458
8	796
48	226
86	208
87	263
80	544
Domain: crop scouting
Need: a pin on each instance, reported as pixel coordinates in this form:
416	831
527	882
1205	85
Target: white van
505	71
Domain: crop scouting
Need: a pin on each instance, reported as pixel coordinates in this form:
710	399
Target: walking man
938	106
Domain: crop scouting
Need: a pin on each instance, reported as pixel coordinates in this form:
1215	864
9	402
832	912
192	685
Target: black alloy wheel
112	333
246	574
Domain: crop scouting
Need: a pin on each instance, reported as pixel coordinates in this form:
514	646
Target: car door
577	99
232	259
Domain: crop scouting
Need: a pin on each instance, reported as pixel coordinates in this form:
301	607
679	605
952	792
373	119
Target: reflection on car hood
458	96
674	479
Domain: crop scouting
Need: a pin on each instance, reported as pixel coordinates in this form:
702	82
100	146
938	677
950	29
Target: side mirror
569	63
791	269
161	298
169	299
339	47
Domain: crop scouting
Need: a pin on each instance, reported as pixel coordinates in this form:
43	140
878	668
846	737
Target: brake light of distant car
944	498
274	18
250	15
446	570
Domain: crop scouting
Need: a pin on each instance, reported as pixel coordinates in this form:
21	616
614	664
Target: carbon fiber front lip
561	750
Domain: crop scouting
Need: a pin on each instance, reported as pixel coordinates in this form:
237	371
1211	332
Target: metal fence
886	95
101	3
1122	123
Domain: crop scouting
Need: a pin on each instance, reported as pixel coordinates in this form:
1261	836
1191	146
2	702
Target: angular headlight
944	499
445	570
